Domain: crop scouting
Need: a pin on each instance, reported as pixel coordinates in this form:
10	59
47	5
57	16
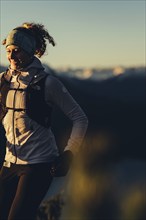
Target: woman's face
17	57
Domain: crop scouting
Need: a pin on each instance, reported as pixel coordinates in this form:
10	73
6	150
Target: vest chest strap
16	109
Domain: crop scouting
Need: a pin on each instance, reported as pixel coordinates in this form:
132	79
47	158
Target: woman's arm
56	93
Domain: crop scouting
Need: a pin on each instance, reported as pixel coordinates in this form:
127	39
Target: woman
28	95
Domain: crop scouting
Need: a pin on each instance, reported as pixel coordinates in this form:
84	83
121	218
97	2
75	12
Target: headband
21	39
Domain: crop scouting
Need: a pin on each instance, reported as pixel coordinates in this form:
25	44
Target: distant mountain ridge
2	68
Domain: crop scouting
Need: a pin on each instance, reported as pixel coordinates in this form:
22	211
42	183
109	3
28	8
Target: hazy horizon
88	33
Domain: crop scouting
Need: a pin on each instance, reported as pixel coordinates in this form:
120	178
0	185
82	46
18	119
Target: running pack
36	107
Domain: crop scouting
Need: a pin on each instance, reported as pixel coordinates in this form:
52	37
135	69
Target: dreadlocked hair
40	34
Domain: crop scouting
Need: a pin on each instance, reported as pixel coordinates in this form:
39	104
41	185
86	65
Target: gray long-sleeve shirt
27	141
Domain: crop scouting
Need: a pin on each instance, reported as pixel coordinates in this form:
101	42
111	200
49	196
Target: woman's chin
14	66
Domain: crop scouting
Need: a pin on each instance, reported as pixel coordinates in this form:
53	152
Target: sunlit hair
40	34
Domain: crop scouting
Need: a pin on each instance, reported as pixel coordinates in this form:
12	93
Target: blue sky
88	33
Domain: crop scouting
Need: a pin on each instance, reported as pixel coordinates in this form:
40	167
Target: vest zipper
14	133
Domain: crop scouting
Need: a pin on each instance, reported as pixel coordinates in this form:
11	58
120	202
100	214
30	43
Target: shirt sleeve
56	93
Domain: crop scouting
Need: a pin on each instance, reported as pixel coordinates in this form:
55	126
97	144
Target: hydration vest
36	106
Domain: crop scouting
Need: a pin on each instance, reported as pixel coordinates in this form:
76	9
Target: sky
88	34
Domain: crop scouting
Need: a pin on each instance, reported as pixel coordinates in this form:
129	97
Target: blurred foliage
99	187
98	191
51	209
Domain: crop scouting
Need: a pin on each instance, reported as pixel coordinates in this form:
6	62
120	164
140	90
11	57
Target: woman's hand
62	164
